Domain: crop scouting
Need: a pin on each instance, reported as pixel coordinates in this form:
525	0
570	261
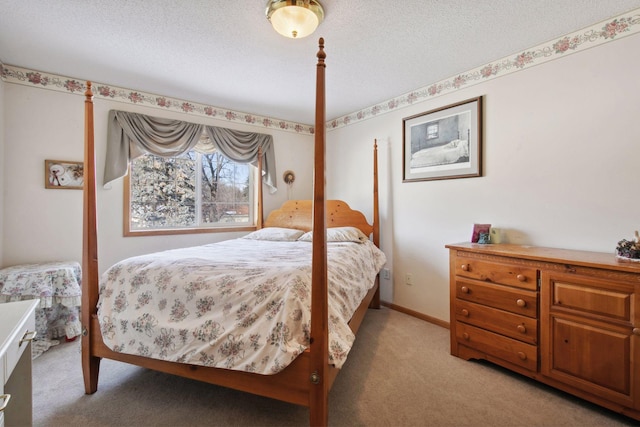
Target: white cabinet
17	330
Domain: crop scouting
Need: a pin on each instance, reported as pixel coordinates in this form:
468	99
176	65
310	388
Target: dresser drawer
19	344
502	273
501	347
522	328
514	300
588	298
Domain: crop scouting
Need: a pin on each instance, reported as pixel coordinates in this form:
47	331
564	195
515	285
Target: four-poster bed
308	378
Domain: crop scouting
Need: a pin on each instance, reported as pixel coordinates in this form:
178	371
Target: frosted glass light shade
294	18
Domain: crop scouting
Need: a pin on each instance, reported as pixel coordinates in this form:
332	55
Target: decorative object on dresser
567	318
629	249
479	229
495	235
443	143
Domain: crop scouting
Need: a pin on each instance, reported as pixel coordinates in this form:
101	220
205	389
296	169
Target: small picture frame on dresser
477	230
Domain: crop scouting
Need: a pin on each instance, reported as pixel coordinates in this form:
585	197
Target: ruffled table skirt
58	287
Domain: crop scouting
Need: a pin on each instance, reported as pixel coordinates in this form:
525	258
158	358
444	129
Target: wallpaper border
603	32
42	80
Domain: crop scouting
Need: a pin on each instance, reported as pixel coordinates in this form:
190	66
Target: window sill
174	231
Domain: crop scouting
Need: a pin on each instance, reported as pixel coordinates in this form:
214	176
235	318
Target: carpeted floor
399	373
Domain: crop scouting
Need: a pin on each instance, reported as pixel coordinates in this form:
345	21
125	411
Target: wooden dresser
569	319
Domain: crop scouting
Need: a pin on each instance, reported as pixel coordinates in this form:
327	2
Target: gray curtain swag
131	135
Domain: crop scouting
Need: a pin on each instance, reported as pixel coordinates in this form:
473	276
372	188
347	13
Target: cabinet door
586	335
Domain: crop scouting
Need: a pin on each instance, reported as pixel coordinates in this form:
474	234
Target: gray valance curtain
130	135
242	147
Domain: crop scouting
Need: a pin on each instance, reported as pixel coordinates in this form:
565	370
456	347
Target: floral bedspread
239	304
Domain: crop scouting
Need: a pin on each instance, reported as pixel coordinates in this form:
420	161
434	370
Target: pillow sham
339	234
276	234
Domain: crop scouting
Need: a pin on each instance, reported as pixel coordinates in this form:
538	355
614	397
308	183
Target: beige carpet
399	373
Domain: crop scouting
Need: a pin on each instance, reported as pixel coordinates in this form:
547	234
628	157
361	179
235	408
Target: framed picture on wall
444	143
63	174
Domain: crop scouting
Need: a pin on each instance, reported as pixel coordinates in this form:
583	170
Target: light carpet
399	373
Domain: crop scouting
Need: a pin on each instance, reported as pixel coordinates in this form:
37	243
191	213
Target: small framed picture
63	174
479	229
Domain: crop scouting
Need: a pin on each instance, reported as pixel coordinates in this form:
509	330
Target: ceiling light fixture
295	18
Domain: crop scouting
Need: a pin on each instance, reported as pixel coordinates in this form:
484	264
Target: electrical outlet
409	279
386	274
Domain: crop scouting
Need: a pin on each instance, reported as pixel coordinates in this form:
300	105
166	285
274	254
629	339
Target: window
194	192
432	130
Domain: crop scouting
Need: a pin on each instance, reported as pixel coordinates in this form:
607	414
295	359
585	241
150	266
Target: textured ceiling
225	54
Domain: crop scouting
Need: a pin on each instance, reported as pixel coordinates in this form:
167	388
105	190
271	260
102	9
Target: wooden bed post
375	303
260	214
319	361
90	364
376	213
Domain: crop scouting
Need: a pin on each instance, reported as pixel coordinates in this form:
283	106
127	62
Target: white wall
561	167
46	225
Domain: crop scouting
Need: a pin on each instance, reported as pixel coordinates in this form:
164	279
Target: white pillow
277	234
339	234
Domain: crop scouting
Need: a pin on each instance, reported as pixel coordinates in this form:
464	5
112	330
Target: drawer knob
465	312
464	290
521	303
636	331
465	336
521	277
522	329
522	356
465	267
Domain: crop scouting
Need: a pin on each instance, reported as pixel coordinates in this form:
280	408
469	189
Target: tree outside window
192	191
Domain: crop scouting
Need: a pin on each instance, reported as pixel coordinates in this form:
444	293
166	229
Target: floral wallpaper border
26	77
603	32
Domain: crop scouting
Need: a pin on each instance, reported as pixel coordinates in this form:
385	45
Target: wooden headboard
298	214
